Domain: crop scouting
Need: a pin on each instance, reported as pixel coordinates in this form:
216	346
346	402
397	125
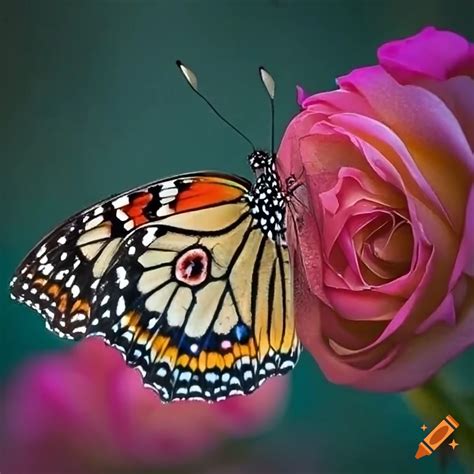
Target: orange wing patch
135	209
162	350
204	193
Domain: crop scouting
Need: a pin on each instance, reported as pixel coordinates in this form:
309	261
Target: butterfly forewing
60	275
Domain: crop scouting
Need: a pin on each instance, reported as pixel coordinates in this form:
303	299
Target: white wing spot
169	184
129	225
60	275
105	300
211	377
225	377
41	251
78	317
186	376
161	372
149	237
288	364
47	269
248	375
122	277
121	216
120	306
270	366
79	329
168	192
152	322
167	200
120	202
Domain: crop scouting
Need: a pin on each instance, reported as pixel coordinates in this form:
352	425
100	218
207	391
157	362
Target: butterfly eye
192	267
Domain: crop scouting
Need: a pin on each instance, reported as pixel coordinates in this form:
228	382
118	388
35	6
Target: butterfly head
260	161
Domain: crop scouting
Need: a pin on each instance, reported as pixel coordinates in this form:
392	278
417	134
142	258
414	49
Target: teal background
91	103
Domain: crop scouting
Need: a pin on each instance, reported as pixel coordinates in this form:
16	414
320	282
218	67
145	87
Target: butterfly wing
180	278
59	277
200	303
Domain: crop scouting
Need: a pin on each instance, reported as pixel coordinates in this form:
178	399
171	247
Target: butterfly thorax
266	198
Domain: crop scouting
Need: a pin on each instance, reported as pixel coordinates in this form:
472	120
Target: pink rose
383	228
86	411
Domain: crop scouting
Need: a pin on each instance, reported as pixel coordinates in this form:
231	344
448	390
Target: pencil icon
436	437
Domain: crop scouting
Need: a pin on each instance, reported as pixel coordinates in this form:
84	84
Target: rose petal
465	258
301	95
390	148
415	363
428	295
445	314
363	305
430	131
341	100
458	94
430	53
304	235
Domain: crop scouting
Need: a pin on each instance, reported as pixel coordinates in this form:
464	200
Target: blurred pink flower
384	244
85	411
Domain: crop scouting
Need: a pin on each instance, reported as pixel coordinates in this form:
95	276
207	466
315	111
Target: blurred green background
91	103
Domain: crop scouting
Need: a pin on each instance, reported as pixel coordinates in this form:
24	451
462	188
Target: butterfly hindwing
200	303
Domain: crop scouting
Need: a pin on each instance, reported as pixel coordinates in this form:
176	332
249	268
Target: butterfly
188	277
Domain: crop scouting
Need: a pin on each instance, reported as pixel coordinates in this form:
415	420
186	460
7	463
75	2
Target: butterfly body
267	200
189	278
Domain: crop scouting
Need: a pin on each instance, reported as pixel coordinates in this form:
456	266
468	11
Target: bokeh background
91	103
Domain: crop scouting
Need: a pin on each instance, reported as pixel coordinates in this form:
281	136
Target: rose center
386	250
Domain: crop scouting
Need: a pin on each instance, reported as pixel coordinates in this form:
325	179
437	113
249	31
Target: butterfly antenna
269	84
191	79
